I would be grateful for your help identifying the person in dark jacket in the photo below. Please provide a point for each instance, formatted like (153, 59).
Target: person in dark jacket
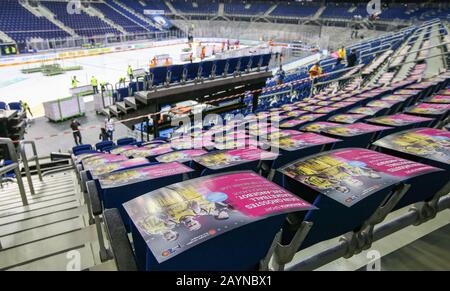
(352, 59)
(104, 136)
(75, 126)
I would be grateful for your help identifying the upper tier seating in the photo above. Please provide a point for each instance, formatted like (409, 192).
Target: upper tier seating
(18, 23)
(83, 24)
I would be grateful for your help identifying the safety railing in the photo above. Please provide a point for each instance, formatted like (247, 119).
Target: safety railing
(25, 161)
(15, 166)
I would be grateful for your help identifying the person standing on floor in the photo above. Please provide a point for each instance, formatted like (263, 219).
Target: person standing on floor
(94, 84)
(74, 82)
(109, 126)
(103, 135)
(75, 126)
(352, 59)
(130, 73)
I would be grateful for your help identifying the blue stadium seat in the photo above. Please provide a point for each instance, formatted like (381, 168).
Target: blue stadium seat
(192, 71)
(176, 73)
(77, 150)
(125, 141)
(234, 65)
(158, 76)
(207, 68)
(221, 65)
(15, 106)
(102, 146)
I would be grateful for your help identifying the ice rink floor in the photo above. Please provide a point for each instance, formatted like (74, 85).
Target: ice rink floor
(36, 88)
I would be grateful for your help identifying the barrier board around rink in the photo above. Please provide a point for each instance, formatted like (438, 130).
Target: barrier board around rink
(78, 53)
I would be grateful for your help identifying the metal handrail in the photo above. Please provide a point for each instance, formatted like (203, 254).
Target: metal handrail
(25, 160)
(14, 166)
(423, 59)
(422, 49)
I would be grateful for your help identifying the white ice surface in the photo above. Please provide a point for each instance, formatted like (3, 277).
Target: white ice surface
(36, 88)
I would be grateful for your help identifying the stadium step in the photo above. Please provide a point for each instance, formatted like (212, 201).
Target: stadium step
(123, 107)
(51, 231)
(131, 102)
(114, 110)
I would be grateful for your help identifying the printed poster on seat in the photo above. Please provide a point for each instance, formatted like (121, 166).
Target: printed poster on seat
(136, 175)
(348, 130)
(429, 143)
(90, 162)
(174, 219)
(445, 99)
(430, 108)
(350, 175)
(302, 141)
(114, 166)
(180, 156)
(399, 119)
(227, 158)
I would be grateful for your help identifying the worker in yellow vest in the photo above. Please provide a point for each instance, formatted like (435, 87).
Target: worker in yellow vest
(74, 82)
(13, 50)
(315, 71)
(130, 73)
(341, 55)
(153, 62)
(94, 84)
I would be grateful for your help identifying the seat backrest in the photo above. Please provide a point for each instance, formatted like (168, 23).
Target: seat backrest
(15, 106)
(245, 62)
(192, 71)
(104, 144)
(84, 147)
(159, 75)
(233, 65)
(255, 61)
(266, 60)
(176, 72)
(220, 67)
(3, 105)
(125, 141)
(207, 68)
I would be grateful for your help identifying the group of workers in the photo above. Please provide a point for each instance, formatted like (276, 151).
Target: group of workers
(95, 83)
(352, 59)
(106, 132)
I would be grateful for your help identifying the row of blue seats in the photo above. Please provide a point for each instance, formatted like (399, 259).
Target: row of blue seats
(349, 218)
(159, 76)
(11, 106)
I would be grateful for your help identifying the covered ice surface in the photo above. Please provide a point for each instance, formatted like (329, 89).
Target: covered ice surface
(36, 88)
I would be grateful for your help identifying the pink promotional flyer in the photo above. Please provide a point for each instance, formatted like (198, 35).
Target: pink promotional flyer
(429, 143)
(136, 175)
(180, 156)
(439, 99)
(366, 110)
(318, 126)
(382, 103)
(398, 119)
(350, 175)
(301, 141)
(120, 150)
(174, 219)
(144, 152)
(228, 158)
(400, 98)
(93, 161)
(430, 108)
(355, 129)
(114, 166)
(347, 118)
